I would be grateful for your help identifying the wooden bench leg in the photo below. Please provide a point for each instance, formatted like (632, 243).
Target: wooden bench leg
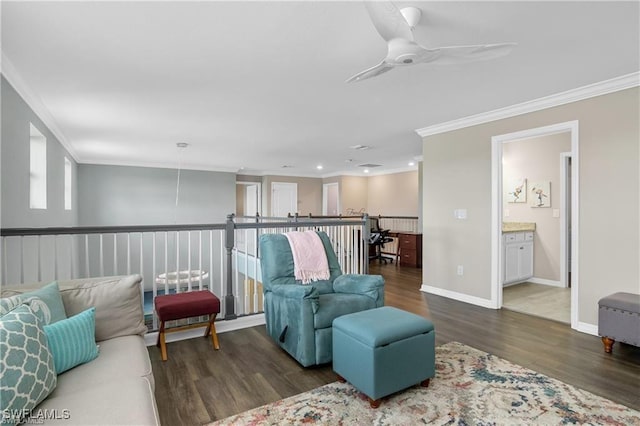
(608, 344)
(211, 328)
(374, 403)
(161, 341)
(341, 379)
(425, 383)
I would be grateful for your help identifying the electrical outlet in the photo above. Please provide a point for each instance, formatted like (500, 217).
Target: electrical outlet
(506, 212)
(460, 270)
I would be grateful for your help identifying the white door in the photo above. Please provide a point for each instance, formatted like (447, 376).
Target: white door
(284, 199)
(330, 199)
(251, 200)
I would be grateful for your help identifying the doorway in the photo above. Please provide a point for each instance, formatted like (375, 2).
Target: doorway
(284, 199)
(330, 199)
(248, 198)
(565, 212)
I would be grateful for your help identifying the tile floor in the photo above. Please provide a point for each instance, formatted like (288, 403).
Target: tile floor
(540, 300)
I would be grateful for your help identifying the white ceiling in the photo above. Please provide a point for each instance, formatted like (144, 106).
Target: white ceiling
(261, 85)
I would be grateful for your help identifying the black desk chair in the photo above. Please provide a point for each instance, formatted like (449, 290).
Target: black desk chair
(377, 240)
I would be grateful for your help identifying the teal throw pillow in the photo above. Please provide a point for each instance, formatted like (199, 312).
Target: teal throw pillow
(27, 374)
(73, 341)
(45, 302)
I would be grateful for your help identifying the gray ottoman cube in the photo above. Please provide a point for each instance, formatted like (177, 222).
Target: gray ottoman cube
(619, 319)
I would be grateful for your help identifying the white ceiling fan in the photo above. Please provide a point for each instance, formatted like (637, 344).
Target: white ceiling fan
(396, 28)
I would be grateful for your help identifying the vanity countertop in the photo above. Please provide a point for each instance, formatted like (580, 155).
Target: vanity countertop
(518, 227)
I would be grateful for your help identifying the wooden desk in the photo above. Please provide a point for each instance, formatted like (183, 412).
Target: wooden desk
(410, 248)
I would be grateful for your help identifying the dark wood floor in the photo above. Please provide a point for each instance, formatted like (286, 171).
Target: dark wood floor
(197, 385)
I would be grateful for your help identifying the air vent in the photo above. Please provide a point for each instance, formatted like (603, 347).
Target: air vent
(369, 166)
(360, 147)
(287, 166)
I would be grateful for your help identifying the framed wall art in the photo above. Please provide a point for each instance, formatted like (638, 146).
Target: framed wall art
(540, 194)
(516, 190)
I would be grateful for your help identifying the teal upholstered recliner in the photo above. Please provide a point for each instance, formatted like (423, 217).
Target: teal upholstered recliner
(299, 316)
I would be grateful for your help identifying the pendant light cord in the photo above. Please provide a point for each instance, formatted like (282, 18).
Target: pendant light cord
(175, 210)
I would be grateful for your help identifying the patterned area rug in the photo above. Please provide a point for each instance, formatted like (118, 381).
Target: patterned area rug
(471, 387)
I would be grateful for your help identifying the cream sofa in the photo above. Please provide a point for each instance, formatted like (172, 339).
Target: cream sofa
(117, 388)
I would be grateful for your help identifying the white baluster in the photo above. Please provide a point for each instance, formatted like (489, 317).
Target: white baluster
(86, 256)
(115, 254)
(188, 262)
(101, 254)
(200, 260)
(153, 277)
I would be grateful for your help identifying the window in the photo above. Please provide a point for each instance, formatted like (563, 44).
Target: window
(38, 169)
(67, 184)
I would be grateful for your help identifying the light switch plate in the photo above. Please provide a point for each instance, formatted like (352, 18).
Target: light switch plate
(505, 212)
(460, 213)
(556, 212)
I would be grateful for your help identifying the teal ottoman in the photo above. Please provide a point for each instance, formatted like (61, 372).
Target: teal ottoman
(384, 350)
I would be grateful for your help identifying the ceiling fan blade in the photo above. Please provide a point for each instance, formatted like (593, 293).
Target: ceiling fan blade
(381, 68)
(388, 20)
(451, 55)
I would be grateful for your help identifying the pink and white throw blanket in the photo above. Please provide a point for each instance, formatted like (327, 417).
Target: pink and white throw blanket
(309, 258)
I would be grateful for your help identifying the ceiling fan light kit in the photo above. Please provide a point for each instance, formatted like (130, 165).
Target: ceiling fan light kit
(396, 26)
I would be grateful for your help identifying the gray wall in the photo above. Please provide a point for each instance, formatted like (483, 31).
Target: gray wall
(120, 195)
(457, 174)
(16, 116)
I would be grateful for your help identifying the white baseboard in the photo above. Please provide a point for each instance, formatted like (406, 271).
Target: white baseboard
(221, 327)
(545, 281)
(461, 297)
(587, 328)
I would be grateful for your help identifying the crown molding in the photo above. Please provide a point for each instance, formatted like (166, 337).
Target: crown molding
(35, 103)
(592, 90)
(327, 175)
(376, 173)
(278, 172)
(158, 165)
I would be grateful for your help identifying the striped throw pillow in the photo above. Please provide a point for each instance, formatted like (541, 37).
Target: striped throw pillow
(73, 341)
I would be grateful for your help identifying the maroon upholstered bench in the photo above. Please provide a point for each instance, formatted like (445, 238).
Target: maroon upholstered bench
(186, 305)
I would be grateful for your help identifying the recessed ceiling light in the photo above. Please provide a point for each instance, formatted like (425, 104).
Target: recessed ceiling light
(411, 163)
(319, 167)
(182, 144)
(287, 166)
(366, 170)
